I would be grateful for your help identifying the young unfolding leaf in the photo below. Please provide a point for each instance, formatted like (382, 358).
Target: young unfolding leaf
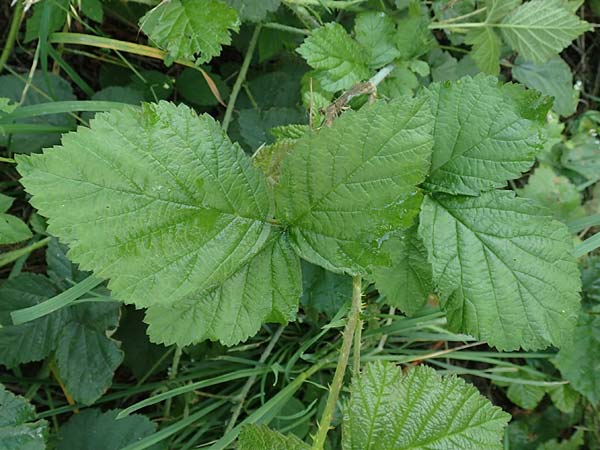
(18, 431)
(340, 60)
(177, 209)
(389, 410)
(406, 283)
(503, 268)
(540, 29)
(189, 29)
(261, 437)
(268, 288)
(343, 188)
(483, 135)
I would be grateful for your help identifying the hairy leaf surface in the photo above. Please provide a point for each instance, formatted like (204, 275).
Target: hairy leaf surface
(503, 269)
(176, 209)
(343, 188)
(540, 29)
(255, 437)
(389, 410)
(483, 136)
(189, 29)
(266, 289)
(340, 60)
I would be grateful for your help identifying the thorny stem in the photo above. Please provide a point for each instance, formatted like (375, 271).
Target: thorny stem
(340, 370)
(12, 34)
(240, 78)
(251, 380)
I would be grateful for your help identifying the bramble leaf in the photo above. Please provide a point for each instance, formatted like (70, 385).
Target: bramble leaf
(268, 288)
(552, 78)
(486, 49)
(340, 60)
(406, 283)
(540, 29)
(483, 135)
(375, 31)
(254, 437)
(343, 188)
(503, 269)
(177, 209)
(578, 360)
(93, 429)
(18, 431)
(189, 29)
(389, 410)
(13, 229)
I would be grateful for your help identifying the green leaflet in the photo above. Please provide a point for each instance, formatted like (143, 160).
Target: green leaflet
(579, 361)
(266, 289)
(486, 49)
(389, 410)
(375, 32)
(191, 30)
(261, 437)
(177, 194)
(483, 134)
(343, 188)
(254, 10)
(407, 283)
(18, 431)
(540, 29)
(503, 269)
(341, 62)
(12, 229)
(324, 291)
(93, 429)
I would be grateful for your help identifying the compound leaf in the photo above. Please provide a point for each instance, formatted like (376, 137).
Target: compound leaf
(420, 410)
(503, 268)
(340, 60)
(343, 188)
(18, 431)
(177, 209)
(189, 29)
(540, 29)
(93, 429)
(483, 135)
(406, 283)
(266, 289)
(254, 437)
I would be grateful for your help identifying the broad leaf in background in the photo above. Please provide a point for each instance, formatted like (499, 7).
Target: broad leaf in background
(483, 134)
(93, 429)
(254, 10)
(31, 341)
(85, 354)
(345, 187)
(540, 29)
(324, 291)
(406, 283)
(57, 11)
(187, 229)
(191, 30)
(12, 229)
(18, 428)
(413, 38)
(503, 269)
(390, 410)
(573, 443)
(268, 288)
(579, 359)
(375, 32)
(340, 61)
(553, 78)
(193, 87)
(43, 89)
(555, 192)
(255, 437)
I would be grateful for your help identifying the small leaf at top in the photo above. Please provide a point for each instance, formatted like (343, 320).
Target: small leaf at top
(342, 189)
(390, 410)
(190, 29)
